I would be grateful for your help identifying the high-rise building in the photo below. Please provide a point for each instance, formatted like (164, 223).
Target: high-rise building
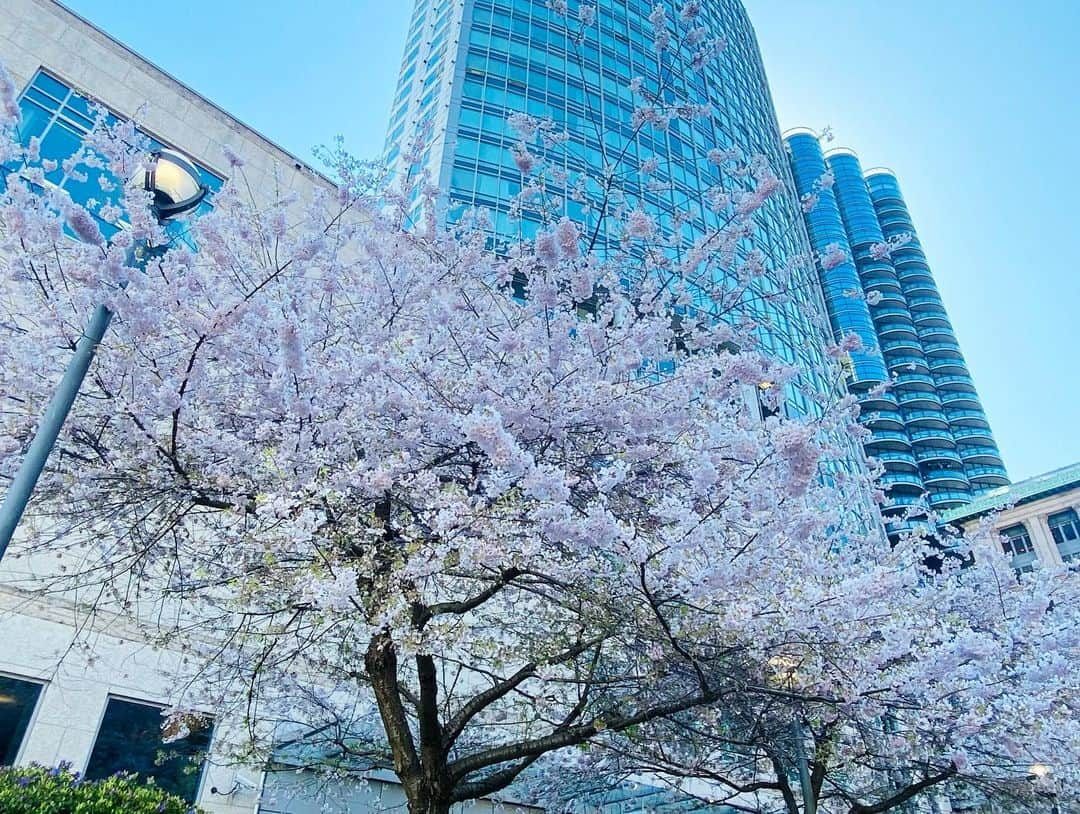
(928, 428)
(469, 65)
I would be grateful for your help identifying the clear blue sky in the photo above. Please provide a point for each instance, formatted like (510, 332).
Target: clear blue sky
(974, 103)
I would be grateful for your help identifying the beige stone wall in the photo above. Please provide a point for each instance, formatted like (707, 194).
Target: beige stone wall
(1034, 516)
(43, 34)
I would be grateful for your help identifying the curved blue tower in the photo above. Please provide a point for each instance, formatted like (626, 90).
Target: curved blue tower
(848, 312)
(972, 463)
(469, 64)
(928, 428)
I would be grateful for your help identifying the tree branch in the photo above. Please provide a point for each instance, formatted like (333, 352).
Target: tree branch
(571, 736)
(903, 796)
(456, 725)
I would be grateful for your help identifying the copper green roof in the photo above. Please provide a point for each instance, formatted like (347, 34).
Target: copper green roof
(1025, 491)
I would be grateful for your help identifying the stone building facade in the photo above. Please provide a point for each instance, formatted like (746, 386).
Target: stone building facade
(1038, 519)
(76, 685)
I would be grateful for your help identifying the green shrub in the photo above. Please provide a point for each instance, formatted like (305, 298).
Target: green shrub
(39, 790)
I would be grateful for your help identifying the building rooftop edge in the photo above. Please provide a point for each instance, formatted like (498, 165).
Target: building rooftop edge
(1025, 491)
(878, 171)
(799, 131)
(841, 151)
(288, 154)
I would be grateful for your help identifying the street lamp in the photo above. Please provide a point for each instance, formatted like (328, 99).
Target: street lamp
(1041, 774)
(174, 182)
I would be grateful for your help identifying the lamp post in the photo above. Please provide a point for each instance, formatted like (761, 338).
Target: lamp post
(786, 669)
(174, 182)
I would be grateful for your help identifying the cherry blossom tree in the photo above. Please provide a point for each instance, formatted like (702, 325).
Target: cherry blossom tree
(501, 514)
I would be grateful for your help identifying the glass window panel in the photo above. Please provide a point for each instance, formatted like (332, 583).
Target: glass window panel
(34, 120)
(130, 740)
(51, 86)
(17, 701)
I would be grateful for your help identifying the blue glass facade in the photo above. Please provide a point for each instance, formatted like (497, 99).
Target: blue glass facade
(928, 428)
(468, 66)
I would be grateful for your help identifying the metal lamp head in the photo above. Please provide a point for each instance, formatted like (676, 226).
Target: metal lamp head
(174, 181)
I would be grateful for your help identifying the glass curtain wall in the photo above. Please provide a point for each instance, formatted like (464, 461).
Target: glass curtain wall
(467, 68)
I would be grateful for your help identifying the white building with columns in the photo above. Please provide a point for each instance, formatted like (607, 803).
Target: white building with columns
(1038, 518)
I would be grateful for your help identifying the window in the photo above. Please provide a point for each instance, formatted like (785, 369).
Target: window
(1016, 542)
(18, 698)
(1065, 529)
(60, 117)
(131, 740)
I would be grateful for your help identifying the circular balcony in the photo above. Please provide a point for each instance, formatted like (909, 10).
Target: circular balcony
(948, 365)
(938, 349)
(932, 437)
(910, 271)
(940, 455)
(960, 399)
(925, 303)
(898, 461)
(910, 252)
(884, 312)
(967, 418)
(973, 435)
(889, 295)
(922, 419)
(919, 287)
(871, 402)
(902, 345)
(902, 482)
(894, 329)
(937, 333)
(958, 381)
(980, 455)
(900, 502)
(879, 277)
(987, 475)
(945, 478)
(919, 399)
(888, 439)
(949, 499)
(900, 362)
(883, 420)
(910, 380)
(931, 317)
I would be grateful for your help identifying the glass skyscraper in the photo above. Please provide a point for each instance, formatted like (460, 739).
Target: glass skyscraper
(928, 428)
(469, 65)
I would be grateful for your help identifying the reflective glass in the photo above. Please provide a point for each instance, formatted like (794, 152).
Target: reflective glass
(130, 740)
(517, 56)
(17, 701)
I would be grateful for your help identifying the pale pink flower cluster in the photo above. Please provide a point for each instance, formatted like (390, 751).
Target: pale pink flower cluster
(231, 156)
(523, 159)
(884, 251)
(833, 256)
(640, 224)
(9, 100)
(524, 125)
(82, 223)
